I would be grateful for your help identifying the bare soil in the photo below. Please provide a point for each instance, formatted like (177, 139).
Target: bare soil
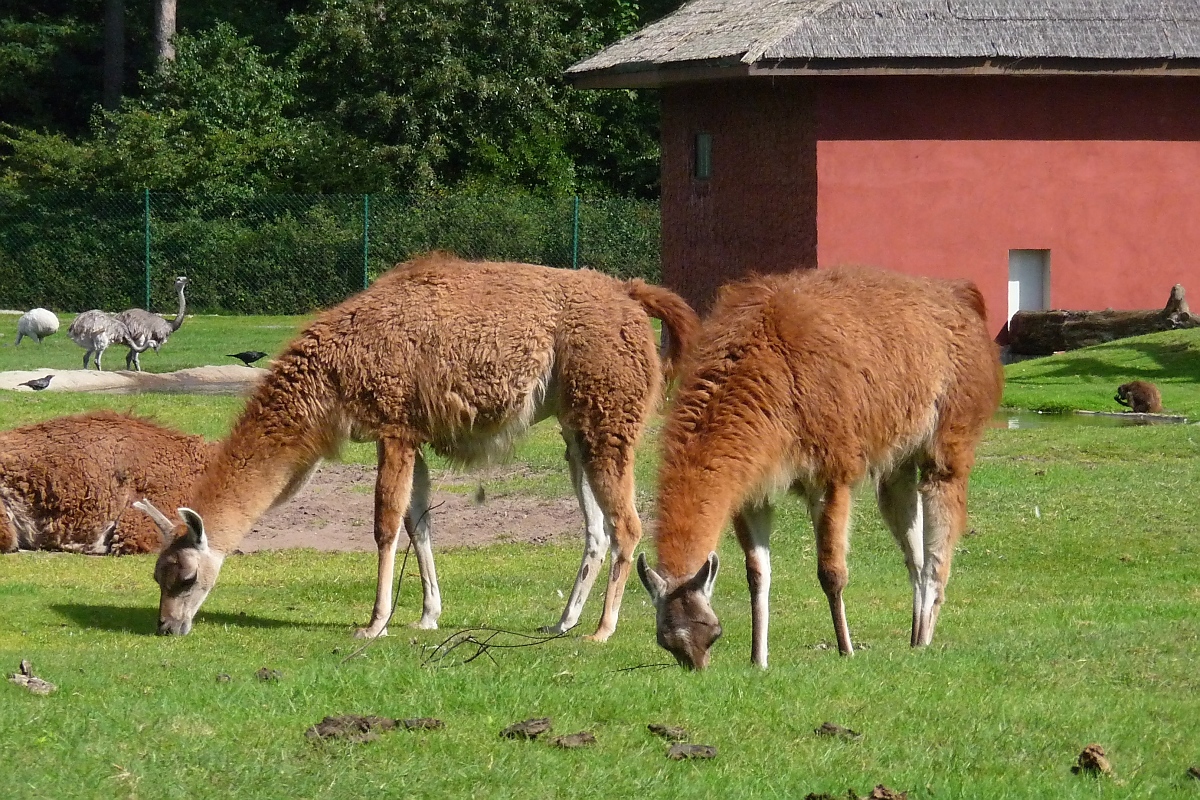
(336, 510)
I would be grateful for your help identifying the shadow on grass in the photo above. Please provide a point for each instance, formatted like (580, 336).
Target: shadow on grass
(1175, 361)
(125, 619)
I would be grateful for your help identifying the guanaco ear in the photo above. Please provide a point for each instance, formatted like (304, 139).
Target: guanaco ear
(195, 528)
(654, 583)
(706, 577)
(164, 525)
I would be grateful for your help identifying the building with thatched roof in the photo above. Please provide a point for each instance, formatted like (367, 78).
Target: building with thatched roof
(1048, 149)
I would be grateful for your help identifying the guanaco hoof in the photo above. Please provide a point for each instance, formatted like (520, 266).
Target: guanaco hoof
(1092, 761)
(529, 729)
(422, 724)
(680, 752)
(351, 728)
(26, 678)
(830, 729)
(574, 740)
(668, 732)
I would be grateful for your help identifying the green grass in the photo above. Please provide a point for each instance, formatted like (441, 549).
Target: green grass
(1073, 617)
(1088, 378)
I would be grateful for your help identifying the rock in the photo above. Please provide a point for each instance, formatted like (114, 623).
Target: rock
(529, 729)
(422, 724)
(882, 792)
(27, 679)
(574, 740)
(1092, 761)
(680, 752)
(269, 675)
(351, 728)
(668, 732)
(830, 729)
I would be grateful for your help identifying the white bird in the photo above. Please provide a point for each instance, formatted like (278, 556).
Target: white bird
(37, 324)
(94, 331)
(150, 330)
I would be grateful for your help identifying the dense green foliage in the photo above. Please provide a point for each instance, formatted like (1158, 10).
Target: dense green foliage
(288, 254)
(326, 96)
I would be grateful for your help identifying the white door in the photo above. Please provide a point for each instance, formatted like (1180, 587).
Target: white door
(1028, 281)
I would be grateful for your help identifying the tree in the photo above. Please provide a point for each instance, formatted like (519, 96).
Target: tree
(164, 32)
(114, 52)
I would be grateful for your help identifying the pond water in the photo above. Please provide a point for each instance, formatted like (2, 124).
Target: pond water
(1014, 419)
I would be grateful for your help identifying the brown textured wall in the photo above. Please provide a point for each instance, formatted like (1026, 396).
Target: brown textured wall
(758, 211)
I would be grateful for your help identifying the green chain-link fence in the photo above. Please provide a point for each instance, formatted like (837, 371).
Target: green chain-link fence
(289, 254)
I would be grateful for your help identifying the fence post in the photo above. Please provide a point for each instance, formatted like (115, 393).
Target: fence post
(146, 215)
(575, 235)
(366, 237)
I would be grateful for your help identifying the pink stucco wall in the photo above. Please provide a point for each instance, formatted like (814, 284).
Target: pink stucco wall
(945, 176)
(940, 176)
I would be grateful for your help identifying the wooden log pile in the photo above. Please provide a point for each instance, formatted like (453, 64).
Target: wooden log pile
(1041, 333)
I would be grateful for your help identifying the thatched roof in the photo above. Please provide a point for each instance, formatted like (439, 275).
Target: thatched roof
(723, 38)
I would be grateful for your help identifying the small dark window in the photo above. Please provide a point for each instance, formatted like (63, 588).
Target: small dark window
(703, 156)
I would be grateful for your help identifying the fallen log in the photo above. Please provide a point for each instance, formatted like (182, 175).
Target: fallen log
(1041, 333)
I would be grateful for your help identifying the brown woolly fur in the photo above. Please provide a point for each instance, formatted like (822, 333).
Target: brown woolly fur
(67, 484)
(814, 381)
(462, 357)
(1141, 397)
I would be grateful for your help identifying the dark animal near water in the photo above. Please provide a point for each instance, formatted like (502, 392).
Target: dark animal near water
(67, 484)
(463, 357)
(813, 382)
(1141, 397)
(37, 384)
(248, 357)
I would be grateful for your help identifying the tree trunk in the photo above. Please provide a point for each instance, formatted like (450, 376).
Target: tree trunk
(164, 32)
(1041, 333)
(114, 52)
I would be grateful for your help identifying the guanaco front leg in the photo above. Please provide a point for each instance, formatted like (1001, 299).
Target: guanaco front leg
(393, 486)
(753, 527)
(831, 520)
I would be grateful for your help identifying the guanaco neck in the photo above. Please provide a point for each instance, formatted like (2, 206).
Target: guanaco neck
(288, 425)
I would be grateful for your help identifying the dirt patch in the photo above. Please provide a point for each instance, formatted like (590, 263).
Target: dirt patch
(335, 511)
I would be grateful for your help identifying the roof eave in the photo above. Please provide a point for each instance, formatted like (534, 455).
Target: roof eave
(655, 76)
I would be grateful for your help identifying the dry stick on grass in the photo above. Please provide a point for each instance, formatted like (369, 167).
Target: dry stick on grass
(661, 665)
(466, 636)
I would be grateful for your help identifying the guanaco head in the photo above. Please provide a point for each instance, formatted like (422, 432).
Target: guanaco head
(186, 570)
(685, 622)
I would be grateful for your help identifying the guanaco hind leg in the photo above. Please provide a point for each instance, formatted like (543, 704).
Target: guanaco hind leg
(420, 527)
(944, 499)
(612, 481)
(753, 527)
(393, 487)
(597, 534)
(900, 506)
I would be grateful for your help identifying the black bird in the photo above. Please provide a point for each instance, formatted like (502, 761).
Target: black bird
(38, 384)
(248, 357)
